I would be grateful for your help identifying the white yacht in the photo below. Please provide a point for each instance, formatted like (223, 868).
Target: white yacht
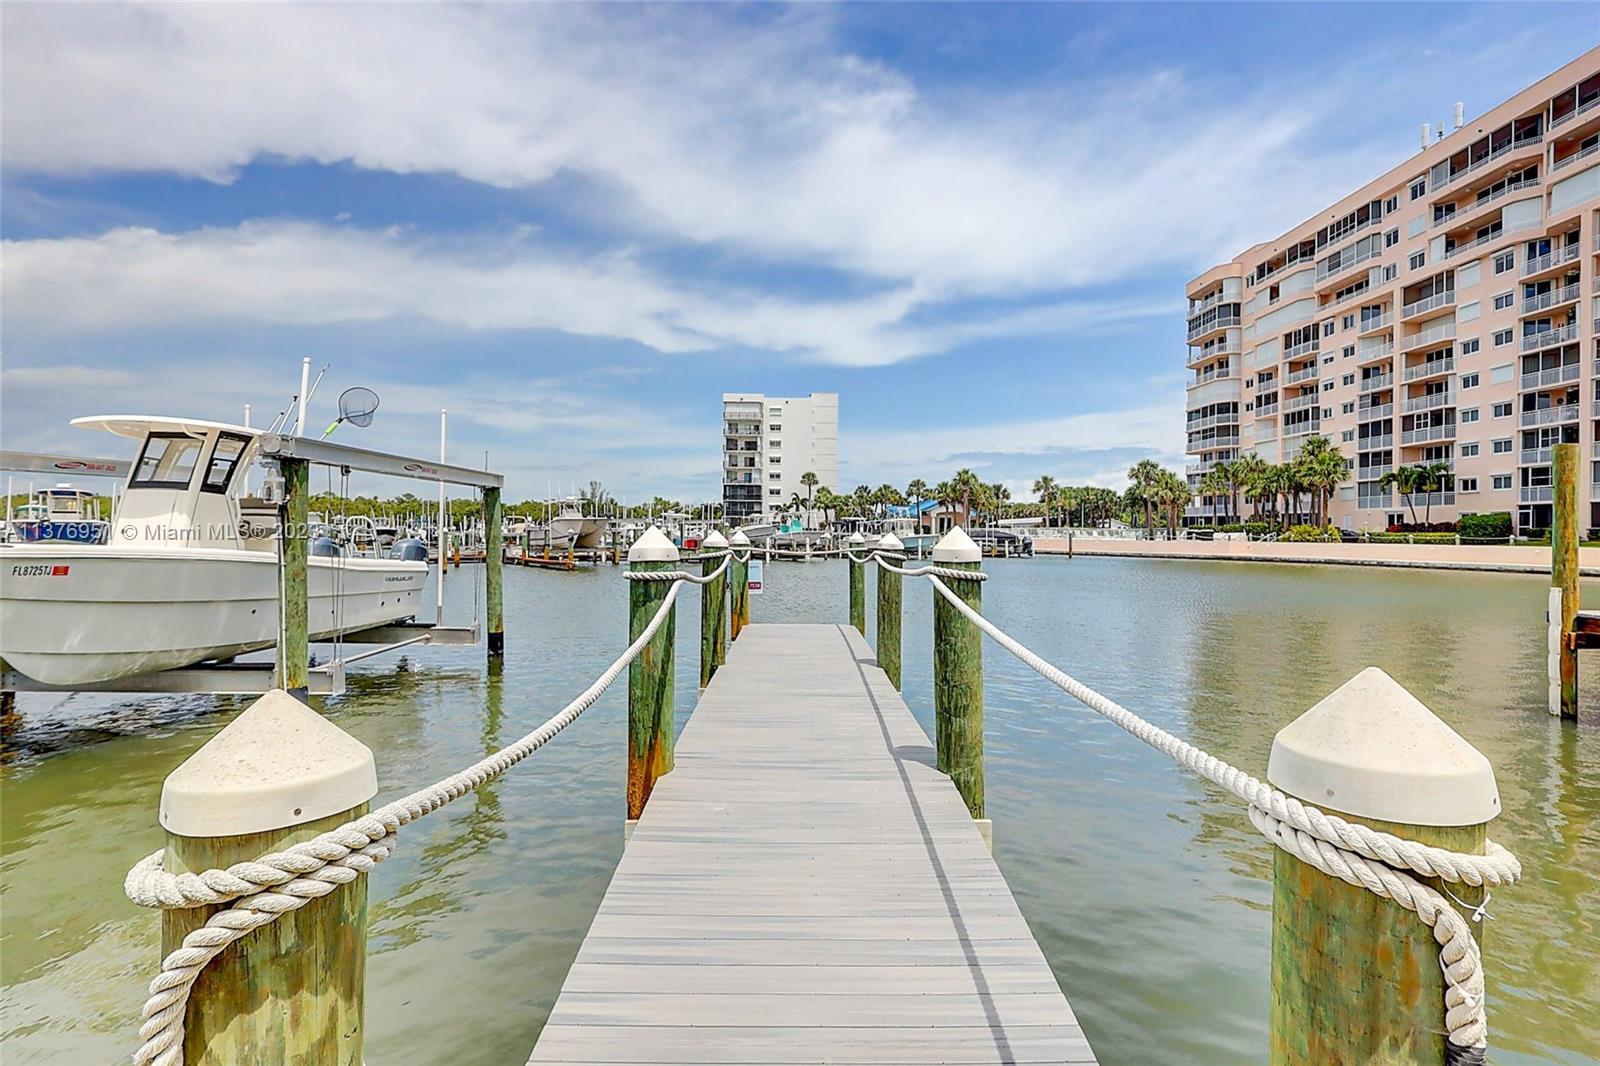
(571, 529)
(189, 573)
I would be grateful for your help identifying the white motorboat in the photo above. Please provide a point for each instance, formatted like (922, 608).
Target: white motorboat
(190, 573)
(570, 528)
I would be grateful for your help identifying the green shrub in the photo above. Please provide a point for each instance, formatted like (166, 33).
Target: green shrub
(1254, 529)
(1495, 525)
(1311, 534)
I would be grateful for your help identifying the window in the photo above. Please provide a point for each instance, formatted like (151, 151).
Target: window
(1419, 188)
(774, 410)
(1349, 350)
(1502, 301)
(1502, 338)
(1327, 386)
(1503, 410)
(1469, 414)
(1249, 383)
(1391, 238)
(1499, 375)
(1470, 346)
(1469, 381)
(1347, 436)
(1327, 359)
(1469, 449)
(1505, 261)
(1327, 328)
(1502, 446)
(1390, 271)
(1502, 481)
(774, 460)
(1391, 205)
(775, 427)
(224, 458)
(167, 462)
(774, 492)
(1417, 261)
(1348, 379)
(1349, 322)
(1327, 412)
(774, 477)
(1466, 484)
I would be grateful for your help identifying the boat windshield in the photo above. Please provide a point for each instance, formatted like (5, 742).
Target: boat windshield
(167, 462)
(224, 458)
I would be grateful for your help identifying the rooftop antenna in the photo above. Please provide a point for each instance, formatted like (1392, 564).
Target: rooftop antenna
(1461, 113)
(1427, 134)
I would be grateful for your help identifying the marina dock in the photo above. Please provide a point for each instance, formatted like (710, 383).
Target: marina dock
(805, 886)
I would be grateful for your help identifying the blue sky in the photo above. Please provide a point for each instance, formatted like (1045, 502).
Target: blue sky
(575, 227)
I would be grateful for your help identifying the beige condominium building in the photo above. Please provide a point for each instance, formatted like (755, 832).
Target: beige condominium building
(1447, 312)
(769, 443)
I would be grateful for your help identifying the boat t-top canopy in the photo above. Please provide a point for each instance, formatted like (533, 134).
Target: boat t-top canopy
(136, 426)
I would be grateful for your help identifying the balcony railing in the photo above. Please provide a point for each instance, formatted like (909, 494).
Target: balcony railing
(1465, 210)
(1554, 298)
(1298, 403)
(1429, 402)
(1429, 303)
(1374, 473)
(1560, 164)
(1212, 351)
(1490, 238)
(1303, 348)
(1429, 369)
(1570, 115)
(1376, 322)
(1211, 443)
(1375, 355)
(1445, 331)
(1301, 429)
(1375, 414)
(1263, 410)
(1557, 257)
(1556, 375)
(1536, 494)
(1499, 153)
(1376, 382)
(1303, 374)
(1549, 338)
(1558, 414)
(1424, 434)
(1213, 324)
(1379, 443)
(1539, 456)
(1212, 375)
(1382, 499)
(1207, 421)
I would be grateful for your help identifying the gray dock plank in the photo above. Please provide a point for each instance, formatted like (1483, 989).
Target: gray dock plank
(806, 887)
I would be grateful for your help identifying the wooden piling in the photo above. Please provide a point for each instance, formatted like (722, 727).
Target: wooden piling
(494, 574)
(1355, 977)
(292, 992)
(739, 606)
(893, 551)
(958, 673)
(713, 608)
(294, 648)
(650, 675)
(858, 582)
(1564, 590)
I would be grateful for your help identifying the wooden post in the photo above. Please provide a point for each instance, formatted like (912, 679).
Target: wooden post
(294, 650)
(740, 606)
(958, 673)
(1356, 978)
(294, 991)
(893, 551)
(1563, 610)
(650, 675)
(713, 609)
(494, 573)
(858, 582)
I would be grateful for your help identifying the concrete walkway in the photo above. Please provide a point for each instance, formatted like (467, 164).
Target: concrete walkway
(805, 887)
(1505, 558)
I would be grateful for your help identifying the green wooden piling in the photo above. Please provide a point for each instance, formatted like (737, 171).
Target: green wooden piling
(650, 675)
(858, 583)
(958, 673)
(891, 551)
(294, 649)
(494, 573)
(293, 991)
(1564, 575)
(713, 609)
(1355, 977)
(739, 607)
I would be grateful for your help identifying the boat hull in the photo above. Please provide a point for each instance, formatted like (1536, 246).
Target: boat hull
(77, 615)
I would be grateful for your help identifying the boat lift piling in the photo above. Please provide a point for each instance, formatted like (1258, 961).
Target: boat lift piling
(1569, 628)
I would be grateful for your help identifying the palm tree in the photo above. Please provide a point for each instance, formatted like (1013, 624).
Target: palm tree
(1145, 475)
(1215, 482)
(1247, 473)
(1408, 479)
(917, 491)
(809, 480)
(1047, 490)
(1279, 480)
(1321, 468)
(1172, 493)
(966, 487)
(1433, 477)
(999, 496)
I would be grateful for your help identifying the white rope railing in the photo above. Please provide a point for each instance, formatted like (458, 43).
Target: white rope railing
(1379, 862)
(276, 884)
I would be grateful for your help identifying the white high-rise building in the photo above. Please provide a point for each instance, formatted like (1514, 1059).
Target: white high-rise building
(769, 442)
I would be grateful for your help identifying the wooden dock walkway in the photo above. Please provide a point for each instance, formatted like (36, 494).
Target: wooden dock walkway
(806, 887)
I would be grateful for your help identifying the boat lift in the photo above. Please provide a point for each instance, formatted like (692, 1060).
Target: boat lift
(293, 457)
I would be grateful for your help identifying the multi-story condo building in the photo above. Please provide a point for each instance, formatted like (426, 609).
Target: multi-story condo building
(769, 443)
(1446, 312)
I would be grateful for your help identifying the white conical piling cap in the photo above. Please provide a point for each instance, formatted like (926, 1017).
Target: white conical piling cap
(856, 539)
(890, 543)
(653, 547)
(956, 547)
(715, 540)
(1372, 749)
(279, 764)
(739, 540)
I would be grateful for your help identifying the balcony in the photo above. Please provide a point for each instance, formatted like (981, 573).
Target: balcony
(1556, 375)
(1229, 346)
(743, 429)
(1303, 374)
(1552, 259)
(1300, 403)
(1465, 211)
(1549, 338)
(1429, 369)
(1424, 434)
(1347, 264)
(1215, 374)
(1301, 429)
(1433, 499)
(1265, 410)
(1443, 332)
(1375, 323)
(1303, 348)
(1562, 164)
(1375, 413)
(1374, 473)
(1488, 239)
(1428, 303)
(1382, 442)
(1570, 115)
(1543, 301)
(1382, 499)
(1499, 153)
(1212, 324)
(1375, 355)
(1206, 422)
(1536, 494)
(1376, 382)
(1538, 456)
(1555, 415)
(1213, 443)
(1431, 401)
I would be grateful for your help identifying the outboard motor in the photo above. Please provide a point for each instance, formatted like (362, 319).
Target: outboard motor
(326, 546)
(410, 549)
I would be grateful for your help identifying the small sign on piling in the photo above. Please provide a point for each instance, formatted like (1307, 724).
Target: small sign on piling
(755, 577)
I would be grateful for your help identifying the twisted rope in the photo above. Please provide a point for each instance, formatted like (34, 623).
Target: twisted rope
(1356, 854)
(931, 571)
(682, 575)
(276, 884)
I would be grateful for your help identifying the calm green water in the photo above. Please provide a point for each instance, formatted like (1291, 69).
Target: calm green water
(1148, 891)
